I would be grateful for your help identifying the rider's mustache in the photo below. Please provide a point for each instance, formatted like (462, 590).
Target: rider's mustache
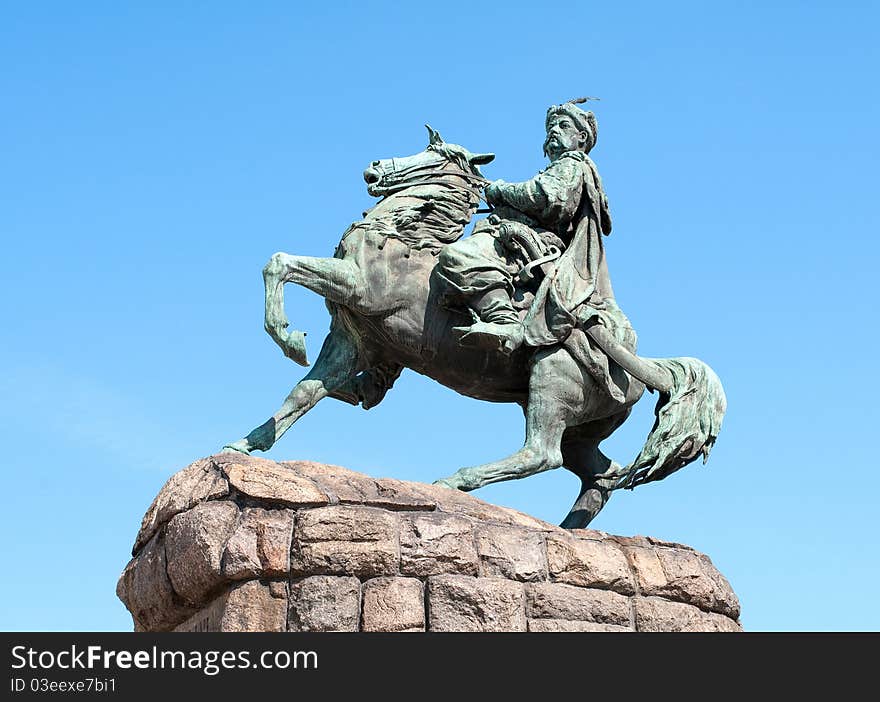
(551, 139)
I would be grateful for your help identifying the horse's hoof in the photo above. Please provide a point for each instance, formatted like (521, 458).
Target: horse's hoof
(233, 448)
(446, 484)
(295, 348)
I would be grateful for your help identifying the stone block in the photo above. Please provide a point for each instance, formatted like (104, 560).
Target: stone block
(345, 540)
(260, 545)
(248, 606)
(657, 614)
(682, 574)
(393, 604)
(146, 591)
(198, 482)
(347, 487)
(567, 602)
(588, 562)
(511, 552)
(194, 545)
(462, 603)
(274, 483)
(553, 625)
(241, 560)
(324, 603)
(437, 543)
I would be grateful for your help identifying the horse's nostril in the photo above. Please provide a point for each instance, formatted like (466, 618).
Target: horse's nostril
(370, 176)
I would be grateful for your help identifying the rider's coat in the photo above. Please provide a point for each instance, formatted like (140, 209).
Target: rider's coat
(564, 205)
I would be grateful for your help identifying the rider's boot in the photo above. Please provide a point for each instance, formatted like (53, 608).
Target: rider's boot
(497, 326)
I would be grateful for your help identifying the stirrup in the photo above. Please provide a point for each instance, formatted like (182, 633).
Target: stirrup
(492, 335)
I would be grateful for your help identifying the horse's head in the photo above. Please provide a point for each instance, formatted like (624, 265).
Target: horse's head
(438, 160)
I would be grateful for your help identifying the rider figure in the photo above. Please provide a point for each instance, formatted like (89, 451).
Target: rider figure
(540, 217)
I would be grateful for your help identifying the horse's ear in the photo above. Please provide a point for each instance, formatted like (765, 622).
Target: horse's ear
(435, 138)
(481, 159)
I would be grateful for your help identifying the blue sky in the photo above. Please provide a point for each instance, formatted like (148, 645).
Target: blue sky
(153, 156)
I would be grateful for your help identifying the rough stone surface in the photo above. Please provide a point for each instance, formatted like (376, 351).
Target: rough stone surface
(589, 562)
(393, 604)
(248, 606)
(511, 552)
(457, 502)
(433, 544)
(345, 540)
(194, 547)
(537, 625)
(241, 559)
(324, 603)
(347, 487)
(260, 545)
(560, 601)
(237, 543)
(462, 603)
(147, 592)
(682, 574)
(196, 483)
(274, 482)
(657, 614)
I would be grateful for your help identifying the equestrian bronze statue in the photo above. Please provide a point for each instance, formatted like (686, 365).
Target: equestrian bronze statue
(522, 311)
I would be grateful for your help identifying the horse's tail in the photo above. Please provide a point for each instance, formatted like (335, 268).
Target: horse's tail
(689, 412)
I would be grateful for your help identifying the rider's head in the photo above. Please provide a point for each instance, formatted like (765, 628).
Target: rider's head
(569, 128)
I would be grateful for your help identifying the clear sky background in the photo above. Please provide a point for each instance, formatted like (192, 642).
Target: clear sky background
(154, 155)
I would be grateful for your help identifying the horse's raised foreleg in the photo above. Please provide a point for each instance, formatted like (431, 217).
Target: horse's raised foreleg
(337, 363)
(550, 408)
(334, 279)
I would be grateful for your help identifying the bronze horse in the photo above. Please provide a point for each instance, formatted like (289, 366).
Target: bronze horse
(386, 315)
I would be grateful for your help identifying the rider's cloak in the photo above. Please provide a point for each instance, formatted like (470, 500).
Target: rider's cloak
(577, 289)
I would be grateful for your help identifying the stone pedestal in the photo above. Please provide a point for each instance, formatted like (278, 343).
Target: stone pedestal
(238, 543)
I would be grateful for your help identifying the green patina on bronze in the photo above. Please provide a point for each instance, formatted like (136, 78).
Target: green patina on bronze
(520, 311)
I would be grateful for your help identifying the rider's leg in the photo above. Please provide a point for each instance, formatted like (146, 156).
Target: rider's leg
(337, 363)
(478, 272)
(495, 306)
(498, 325)
(471, 266)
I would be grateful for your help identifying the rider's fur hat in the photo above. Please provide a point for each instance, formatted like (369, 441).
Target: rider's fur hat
(584, 121)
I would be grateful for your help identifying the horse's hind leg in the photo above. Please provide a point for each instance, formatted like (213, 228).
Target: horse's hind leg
(337, 363)
(540, 452)
(581, 455)
(550, 408)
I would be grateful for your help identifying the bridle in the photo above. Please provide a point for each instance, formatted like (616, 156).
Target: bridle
(397, 181)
